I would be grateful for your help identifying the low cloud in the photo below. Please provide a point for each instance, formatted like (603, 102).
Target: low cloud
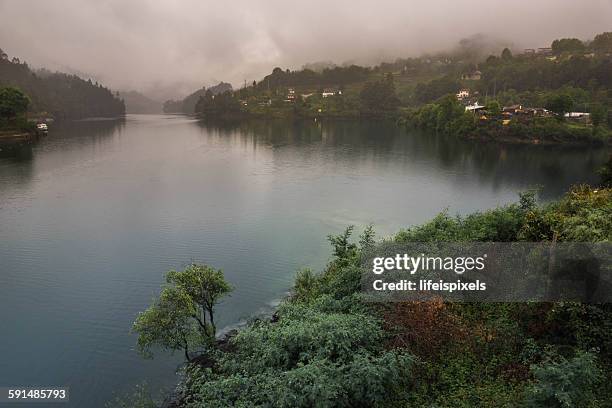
(169, 47)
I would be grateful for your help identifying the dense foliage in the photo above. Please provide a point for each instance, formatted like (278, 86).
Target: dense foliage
(326, 347)
(182, 318)
(61, 95)
(448, 116)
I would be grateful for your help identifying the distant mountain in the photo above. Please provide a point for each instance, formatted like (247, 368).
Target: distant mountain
(188, 104)
(135, 102)
(61, 95)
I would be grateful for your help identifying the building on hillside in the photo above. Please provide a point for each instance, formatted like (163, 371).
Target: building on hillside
(578, 116)
(330, 92)
(290, 95)
(529, 51)
(463, 94)
(475, 108)
(512, 109)
(547, 51)
(472, 76)
(306, 96)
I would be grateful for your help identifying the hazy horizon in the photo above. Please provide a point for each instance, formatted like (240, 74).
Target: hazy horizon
(168, 49)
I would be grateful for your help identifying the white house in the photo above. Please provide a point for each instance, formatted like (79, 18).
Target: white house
(464, 93)
(330, 92)
(577, 115)
(475, 107)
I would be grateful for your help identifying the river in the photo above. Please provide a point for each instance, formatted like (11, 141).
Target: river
(93, 215)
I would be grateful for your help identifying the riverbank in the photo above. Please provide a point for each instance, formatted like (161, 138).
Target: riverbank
(14, 139)
(448, 116)
(327, 346)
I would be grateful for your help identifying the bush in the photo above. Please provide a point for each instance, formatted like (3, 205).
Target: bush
(561, 382)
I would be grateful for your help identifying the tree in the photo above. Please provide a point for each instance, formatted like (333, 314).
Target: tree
(561, 382)
(182, 318)
(570, 45)
(205, 286)
(560, 104)
(599, 114)
(602, 42)
(506, 54)
(494, 108)
(343, 248)
(379, 96)
(168, 323)
(13, 102)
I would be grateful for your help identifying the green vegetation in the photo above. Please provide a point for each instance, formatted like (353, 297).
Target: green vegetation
(327, 347)
(182, 318)
(13, 107)
(59, 95)
(13, 103)
(448, 116)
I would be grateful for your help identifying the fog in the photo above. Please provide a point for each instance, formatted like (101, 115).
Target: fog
(169, 48)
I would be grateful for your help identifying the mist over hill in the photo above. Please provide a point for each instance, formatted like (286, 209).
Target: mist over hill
(136, 102)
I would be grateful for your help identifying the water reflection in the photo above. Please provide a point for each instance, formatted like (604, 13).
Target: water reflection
(550, 168)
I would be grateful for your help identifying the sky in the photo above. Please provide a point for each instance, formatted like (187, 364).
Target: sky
(169, 48)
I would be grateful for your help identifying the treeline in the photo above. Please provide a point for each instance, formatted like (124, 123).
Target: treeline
(335, 76)
(61, 95)
(377, 98)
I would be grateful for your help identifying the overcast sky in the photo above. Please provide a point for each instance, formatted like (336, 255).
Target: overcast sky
(174, 46)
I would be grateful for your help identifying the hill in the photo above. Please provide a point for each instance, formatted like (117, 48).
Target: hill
(61, 95)
(188, 104)
(135, 102)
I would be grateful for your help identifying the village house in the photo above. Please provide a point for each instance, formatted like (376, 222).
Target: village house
(463, 94)
(547, 51)
(512, 110)
(578, 116)
(475, 108)
(330, 92)
(290, 95)
(472, 76)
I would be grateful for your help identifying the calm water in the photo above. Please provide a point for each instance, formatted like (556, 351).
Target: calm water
(94, 215)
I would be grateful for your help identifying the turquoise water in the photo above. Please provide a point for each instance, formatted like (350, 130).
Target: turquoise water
(94, 215)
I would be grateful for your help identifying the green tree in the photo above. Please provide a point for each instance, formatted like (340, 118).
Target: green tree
(602, 42)
(506, 54)
(205, 287)
(494, 108)
(13, 102)
(561, 382)
(182, 318)
(599, 114)
(379, 96)
(169, 324)
(560, 104)
(570, 45)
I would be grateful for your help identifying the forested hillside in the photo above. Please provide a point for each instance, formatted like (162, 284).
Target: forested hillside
(188, 104)
(60, 95)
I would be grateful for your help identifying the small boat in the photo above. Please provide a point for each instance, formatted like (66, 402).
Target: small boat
(42, 127)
